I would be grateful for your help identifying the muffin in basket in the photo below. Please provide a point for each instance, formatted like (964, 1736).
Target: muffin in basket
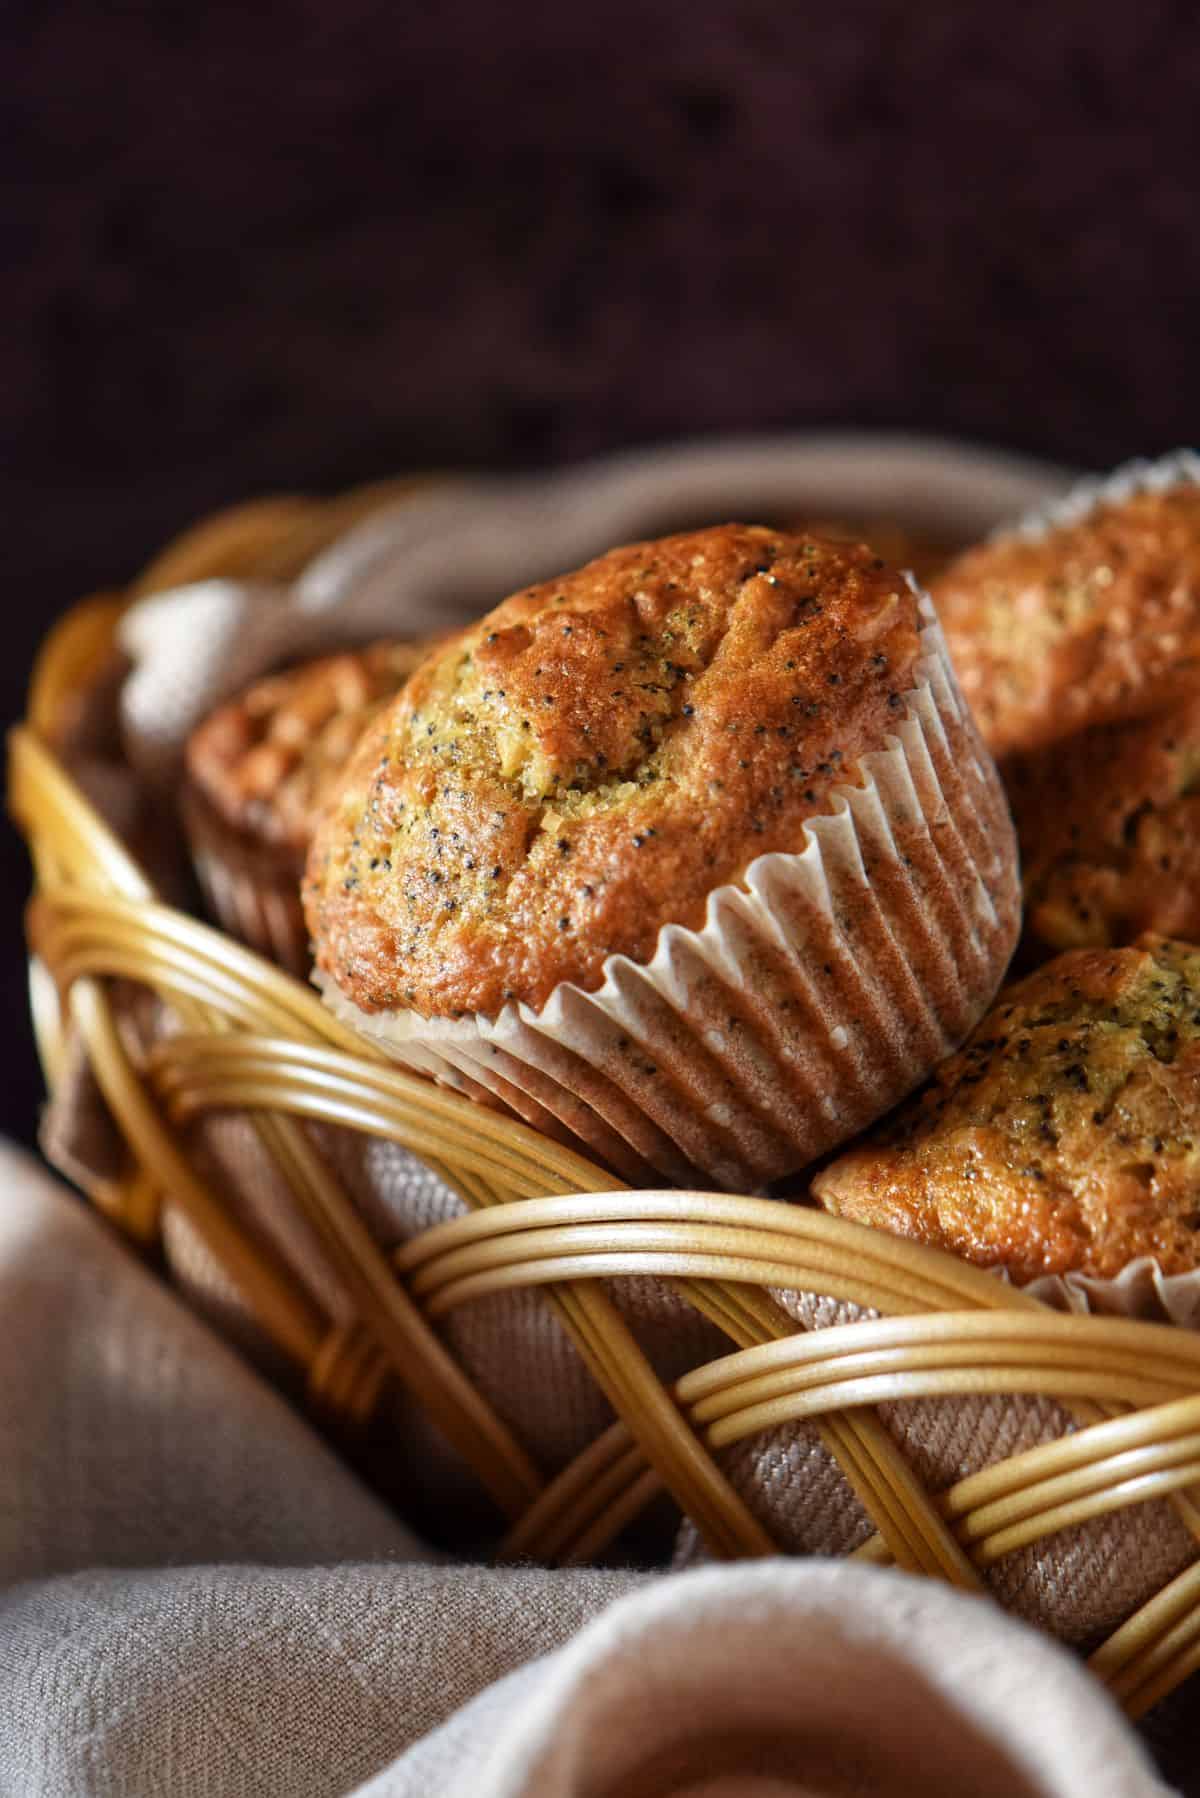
(257, 771)
(1064, 1137)
(1077, 638)
(1082, 616)
(693, 854)
(1109, 827)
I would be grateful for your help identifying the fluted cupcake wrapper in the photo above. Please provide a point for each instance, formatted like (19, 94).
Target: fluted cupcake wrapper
(253, 893)
(1180, 468)
(1140, 1290)
(813, 998)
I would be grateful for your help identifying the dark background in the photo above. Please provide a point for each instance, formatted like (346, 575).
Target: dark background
(296, 246)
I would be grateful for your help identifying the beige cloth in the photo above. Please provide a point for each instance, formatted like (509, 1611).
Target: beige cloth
(196, 1598)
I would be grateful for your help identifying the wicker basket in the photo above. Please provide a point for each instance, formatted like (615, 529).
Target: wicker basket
(252, 1040)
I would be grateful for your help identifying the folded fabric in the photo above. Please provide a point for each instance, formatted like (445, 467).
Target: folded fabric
(798, 1678)
(200, 1599)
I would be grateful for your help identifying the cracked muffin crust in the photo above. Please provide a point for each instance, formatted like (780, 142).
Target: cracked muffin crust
(1094, 621)
(257, 772)
(597, 755)
(1063, 1137)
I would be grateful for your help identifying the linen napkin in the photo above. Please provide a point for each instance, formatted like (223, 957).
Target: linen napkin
(196, 1597)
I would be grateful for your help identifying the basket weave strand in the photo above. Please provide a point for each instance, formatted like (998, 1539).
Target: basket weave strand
(249, 1039)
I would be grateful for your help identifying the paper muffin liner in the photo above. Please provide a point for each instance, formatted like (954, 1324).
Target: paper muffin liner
(1140, 1290)
(813, 998)
(252, 890)
(1179, 468)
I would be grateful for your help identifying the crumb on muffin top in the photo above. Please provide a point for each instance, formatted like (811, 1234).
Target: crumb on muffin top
(1097, 620)
(262, 760)
(589, 761)
(1065, 1134)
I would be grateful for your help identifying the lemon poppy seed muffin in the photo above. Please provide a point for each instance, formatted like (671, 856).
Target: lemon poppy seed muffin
(588, 764)
(1061, 626)
(1109, 828)
(1064, 1136)
(256, 773)
(539, 875)
(1077, 638)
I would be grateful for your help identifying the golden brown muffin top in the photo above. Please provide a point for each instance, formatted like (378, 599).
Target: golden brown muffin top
(588, 762)
(1109, 827)
(1064, 1136)
(263, 759)
(1097, 620)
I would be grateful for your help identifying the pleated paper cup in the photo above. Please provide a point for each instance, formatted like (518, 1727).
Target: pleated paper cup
(1140, 1290)
(252, 888)
(249, 859)
(1180, 468)
(813, 998)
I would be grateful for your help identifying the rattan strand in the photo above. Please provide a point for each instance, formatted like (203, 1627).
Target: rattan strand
(347, 1373)
(70, 656)
(541, 1215)
(1157, 1648)
(909, 1522)
(569, 1504)
(1091, 1468)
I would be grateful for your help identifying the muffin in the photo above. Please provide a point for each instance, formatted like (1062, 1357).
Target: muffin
(1087, 617)
(1064, 1137)
(1109, 828)
(1077, 638)
(693, 855)
(256, 772)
